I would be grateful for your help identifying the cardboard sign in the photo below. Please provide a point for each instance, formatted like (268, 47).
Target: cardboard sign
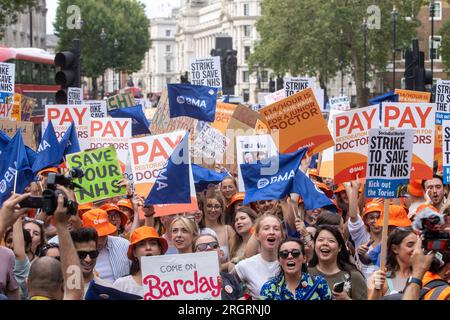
(10, 127)
(206, 72)
(7, 81)
(389, 162)
(246, 115)
(300, 123)
(224, 112)
(119, 101)
(26, 106)
(275, 96)
(412, 96)
(162, 123)
(189, 276)
(340, 103)
(446, 151)
(112, 132)
(74, 95)
(63, 115)
(293, 85)
(421, 118)
(209, 146)
(102, 173)
(148, 156)
(6, 111)
(249, 149)
(97, 108)
(351, 132)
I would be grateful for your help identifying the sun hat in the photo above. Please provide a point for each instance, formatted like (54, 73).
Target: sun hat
(143, 233)
(98, 219)
(398, 217)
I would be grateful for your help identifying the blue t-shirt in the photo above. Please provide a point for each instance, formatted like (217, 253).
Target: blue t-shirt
(375, 255)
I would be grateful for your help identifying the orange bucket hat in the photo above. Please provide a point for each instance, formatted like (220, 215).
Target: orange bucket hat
(112, 207)
(236, 197)
(313, 172)
(398, 217)
(415, 188)
(98, 219)
(82, 208)
(125, 203)
(372, 206)
(143, 233)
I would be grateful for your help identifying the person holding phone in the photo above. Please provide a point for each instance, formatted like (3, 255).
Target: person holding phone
(293, 282)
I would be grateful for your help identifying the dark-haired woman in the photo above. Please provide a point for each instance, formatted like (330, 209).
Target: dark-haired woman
(332, 261)
(144, 241)
(293, 281)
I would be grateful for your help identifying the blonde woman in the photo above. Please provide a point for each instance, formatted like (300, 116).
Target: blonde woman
(182, 232)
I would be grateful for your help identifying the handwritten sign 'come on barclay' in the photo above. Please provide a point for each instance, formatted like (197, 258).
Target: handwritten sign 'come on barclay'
(189, 276)
(206, 72)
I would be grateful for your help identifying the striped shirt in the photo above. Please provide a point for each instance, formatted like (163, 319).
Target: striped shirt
(113, 262)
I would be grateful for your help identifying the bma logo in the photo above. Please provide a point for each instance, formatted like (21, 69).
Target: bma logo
(191, 101)
(264, 182)
(318, 189)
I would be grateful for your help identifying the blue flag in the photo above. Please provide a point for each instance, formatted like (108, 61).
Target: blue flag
(50, 152)
(312, 196)
(4, 141)
(262, 183)
(203, 177)
(96, 291)
(69, 142)
(390, 97)
(193, 101)
(140, 124)
(15, 162)
(173, 184)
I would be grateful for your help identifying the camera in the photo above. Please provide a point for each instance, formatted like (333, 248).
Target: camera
(429, 223)
(49, 199)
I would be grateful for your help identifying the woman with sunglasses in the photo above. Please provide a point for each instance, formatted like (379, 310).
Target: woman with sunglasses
(293, 281)
(144, 242)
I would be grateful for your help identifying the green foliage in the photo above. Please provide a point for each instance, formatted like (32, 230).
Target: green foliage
(9, 11)
(122, 20)
(303, 36)
(445, 44)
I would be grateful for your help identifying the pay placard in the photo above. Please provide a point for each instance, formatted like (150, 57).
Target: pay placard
(421, 118)
(389, 162)
(206, 72)
(351, 132)
(63, 115)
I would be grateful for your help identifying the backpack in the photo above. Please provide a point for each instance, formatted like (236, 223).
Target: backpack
(438, 284)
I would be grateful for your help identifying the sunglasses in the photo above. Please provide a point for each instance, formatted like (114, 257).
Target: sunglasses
(285, 254)
(92, 254)
(204, 246)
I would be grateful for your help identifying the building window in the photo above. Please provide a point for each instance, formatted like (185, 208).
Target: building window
(246, 53)
(437, 10)
(435, 52)
(247, 31)
(246, 95)
(168, 48)
(168, 33)
(168, 66)
(246, 9)
(244, 76)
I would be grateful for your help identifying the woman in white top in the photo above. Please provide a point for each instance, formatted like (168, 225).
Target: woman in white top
(257, 270)
(144, 241)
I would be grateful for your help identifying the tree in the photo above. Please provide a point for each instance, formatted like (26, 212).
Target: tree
(123, 21)
(302, 37)
(9, 11)
(445, 44)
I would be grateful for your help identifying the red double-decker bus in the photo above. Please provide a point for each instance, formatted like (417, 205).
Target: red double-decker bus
(35, 76)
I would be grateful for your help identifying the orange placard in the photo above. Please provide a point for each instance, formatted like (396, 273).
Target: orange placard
(224, 111)
(299, 123)
(412, 96)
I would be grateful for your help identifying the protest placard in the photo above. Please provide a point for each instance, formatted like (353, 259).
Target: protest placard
(300, 123)
(102, 173)
(209, 146)
(111, 131)
(206, 72)
(10, 127)
(189, 276)
(119, 101)
(63, 115)
(246, 115)
(74, 95)
(7, 81)
(275, 96)
(292, 85)
(162, 123)
(249, 149)
(326, 168)
(442, 99)
(412, 96)
(6, 111)
(438, 147)
(340, 103)
(23, 107)
(389, 162)
(97, 108)
(351, 142)
(224, 111)
(421, 118)
(149, 154)
(446, 150)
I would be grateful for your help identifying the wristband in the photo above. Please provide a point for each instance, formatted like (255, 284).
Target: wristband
(414, 280)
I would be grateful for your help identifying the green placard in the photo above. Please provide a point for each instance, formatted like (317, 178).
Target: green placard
(101, 174)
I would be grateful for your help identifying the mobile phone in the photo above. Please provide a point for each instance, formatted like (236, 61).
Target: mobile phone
(339, 287)
(370, 243)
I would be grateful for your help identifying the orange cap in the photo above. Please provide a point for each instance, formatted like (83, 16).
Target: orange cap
(313, 172)
(48, 170)
(112, 207)
(125, 203)
(398, 217)
(339, 188)
(237, 197)
(82, 208)
(143, 233)
(98, 219)
(372, 206)
(324, 188)
(415, 188)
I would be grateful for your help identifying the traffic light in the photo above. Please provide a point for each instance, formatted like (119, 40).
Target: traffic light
(68, 71)
(416, 76)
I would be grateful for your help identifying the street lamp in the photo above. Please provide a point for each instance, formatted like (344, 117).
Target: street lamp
(394, 14)
(116, 45)
(103, 38)
(432, 8)
(341, 60)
